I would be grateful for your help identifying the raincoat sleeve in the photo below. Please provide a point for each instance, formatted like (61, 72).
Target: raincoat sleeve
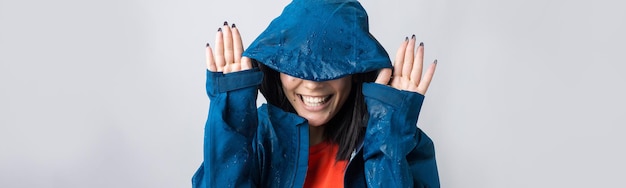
(396, 152)
(229, 130)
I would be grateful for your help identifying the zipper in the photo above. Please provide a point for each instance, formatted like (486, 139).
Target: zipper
(354, 154)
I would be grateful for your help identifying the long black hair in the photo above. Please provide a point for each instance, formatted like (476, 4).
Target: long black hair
(346, 128)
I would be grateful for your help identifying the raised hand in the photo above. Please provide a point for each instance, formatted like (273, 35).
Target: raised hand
(407, 73)
(228, 49)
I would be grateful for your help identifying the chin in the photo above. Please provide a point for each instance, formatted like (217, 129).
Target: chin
(316, 122)
(313, 124)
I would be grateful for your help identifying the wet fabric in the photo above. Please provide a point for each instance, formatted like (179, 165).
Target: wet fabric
(268, 147)
(319, 40)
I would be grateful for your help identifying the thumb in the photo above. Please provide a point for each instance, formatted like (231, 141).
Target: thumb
(384, 76)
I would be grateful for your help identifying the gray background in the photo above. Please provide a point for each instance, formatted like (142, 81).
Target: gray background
(111, 93)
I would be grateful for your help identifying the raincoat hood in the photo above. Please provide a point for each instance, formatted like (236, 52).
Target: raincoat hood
(319, 40)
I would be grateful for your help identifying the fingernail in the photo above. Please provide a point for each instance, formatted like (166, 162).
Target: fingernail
(233, 26)
(435, 61)
(207, 44)
(225, 23)
(219, 29)
(413, 37)
(406, 39)
(421, 43)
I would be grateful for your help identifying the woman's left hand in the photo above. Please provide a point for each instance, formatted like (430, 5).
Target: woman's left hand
(407, 73)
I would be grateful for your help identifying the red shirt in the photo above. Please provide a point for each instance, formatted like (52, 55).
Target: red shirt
(324, 170)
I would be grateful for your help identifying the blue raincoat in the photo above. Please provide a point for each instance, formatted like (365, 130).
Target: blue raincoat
(268, 147)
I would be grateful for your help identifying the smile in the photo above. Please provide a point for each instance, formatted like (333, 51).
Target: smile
(314, 101)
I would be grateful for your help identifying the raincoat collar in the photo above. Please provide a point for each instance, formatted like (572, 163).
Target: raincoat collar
(281, 118)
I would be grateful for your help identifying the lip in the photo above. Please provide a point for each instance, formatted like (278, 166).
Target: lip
(318, 108)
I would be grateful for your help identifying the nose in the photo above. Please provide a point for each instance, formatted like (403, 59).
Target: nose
(312, 84)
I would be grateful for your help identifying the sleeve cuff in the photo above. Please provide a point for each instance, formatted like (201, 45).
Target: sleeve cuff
(391, 96)
(218, 82)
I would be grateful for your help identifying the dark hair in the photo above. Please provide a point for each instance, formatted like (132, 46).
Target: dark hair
(346, 128)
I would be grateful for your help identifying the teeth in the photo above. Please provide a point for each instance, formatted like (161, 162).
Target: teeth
(313, 101)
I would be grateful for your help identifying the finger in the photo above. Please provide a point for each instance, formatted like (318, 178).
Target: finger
(219, 50)
(408, 57)
(246, 63)
(234, 67)
(210, 63)
(423, 86)
(227, 69)
(418, 63)
(228, 44)
(384, 76)
(397, 65)
(237, 44)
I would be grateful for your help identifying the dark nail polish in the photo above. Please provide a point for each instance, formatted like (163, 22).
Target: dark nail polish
(406, 38)
(219, 29)
(207, 44)
(421, 43)
(413, 37)
(435, 62)
(225, 23)
(233, 26)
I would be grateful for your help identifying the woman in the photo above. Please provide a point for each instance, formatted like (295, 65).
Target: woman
(335, 115)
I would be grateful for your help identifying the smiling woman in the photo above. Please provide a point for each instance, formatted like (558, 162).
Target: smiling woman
(317, 102)
(335, 115)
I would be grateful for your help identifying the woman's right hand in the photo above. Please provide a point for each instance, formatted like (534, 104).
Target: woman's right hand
(228, 49)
